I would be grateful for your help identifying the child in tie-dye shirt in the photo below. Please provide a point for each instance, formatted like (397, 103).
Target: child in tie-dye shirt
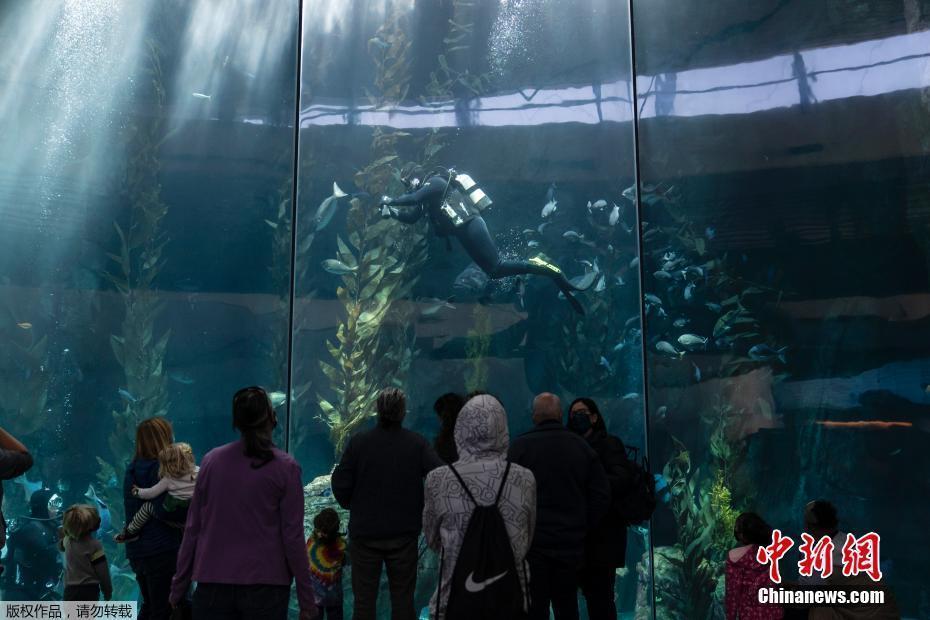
(326, 548)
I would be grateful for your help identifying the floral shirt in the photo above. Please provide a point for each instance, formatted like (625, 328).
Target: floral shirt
(744, 577)
(326, 562)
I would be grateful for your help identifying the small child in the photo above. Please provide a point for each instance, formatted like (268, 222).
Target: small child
(327, 551)
(178, 473)
(86, 570)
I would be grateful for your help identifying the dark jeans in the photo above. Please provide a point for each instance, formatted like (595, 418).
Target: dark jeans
(220, 601)
(400, 555)
(553, 582)
(88, 592)
(154, 575)
(333, 612)
(597, 585)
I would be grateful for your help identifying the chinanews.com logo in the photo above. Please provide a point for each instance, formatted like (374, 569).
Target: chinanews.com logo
(858, 556)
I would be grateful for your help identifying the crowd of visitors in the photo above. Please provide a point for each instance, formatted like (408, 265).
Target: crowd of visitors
(519, 527)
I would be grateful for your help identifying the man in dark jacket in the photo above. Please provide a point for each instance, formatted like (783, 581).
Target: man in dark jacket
(573, 494)
(15, 460)
(605, 547)
(380, 481)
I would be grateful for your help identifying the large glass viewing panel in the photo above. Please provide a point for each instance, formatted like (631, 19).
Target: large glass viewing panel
(143, 146)
(532, 100)
(783, 150)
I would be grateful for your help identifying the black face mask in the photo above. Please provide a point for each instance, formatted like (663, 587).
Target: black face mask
(579, 423)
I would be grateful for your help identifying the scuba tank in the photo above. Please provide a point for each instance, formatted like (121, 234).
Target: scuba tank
(463, 198)
(467, 185)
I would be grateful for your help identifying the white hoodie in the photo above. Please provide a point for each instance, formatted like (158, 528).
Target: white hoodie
(482, 439)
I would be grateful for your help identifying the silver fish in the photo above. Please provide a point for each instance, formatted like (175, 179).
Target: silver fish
(619, 346)
(614, 216)
(434, 305)
(180, 377)
(532, 244)
(662, 275)
(601, 284)
(277, 398)
(652, 299)
(634, 263)
(127, 396)
(666, 348)
(337, 267)
(631, 396)
(571, 235)
(201, 96)
(585, 281)
(600, 204)
(679, 323)
(326, 210)
(606, 364)
(697, 373)
(550, 208)
(542, 227)
(689, 292)
(691, 340)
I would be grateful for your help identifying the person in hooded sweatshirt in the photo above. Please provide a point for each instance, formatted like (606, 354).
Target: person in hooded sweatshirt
(482, 440)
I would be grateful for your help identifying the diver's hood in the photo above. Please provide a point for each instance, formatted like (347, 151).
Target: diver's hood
(481, 429)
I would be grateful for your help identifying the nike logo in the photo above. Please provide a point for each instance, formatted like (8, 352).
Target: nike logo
(474, 587)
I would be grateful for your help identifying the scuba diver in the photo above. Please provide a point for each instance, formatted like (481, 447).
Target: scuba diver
(453, 202)
(32, 567)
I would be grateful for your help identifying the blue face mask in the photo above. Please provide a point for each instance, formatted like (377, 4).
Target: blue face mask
(579, 423)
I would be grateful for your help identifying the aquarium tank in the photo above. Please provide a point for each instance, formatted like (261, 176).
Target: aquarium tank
(189, 204)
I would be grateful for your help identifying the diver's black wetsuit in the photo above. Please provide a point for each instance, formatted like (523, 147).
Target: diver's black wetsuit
(472, 232)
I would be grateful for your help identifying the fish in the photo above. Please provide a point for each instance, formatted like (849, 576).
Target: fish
(337, 267)
(532, 244)
(277, 398)
(662, 275)
(631, 396)
(377, 42)
(689, 291)
(630, 193)
(26, 326)
(550, 193)
(679, 323)
(662, 412)
(584, 282)
(666, 348)
(529, 232)
(600, 204)
(634, 263)
(691, 341)
(601, 284)
(765, 353)
(619, 346)
(434, 305)
(571, 235)
(326, 210)
(652, 299)
(127, 395)
(710, 232)
(605, 363)
(521, 292)
(614, 216)
(29, 487)
(714, 307)
(180, 377)
(542, 227)
(697, 373)
(201, 96)
(106, 521)
(550, 208)
(472, 279)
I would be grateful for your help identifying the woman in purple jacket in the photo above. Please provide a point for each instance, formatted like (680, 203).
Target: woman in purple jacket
(244, 540)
